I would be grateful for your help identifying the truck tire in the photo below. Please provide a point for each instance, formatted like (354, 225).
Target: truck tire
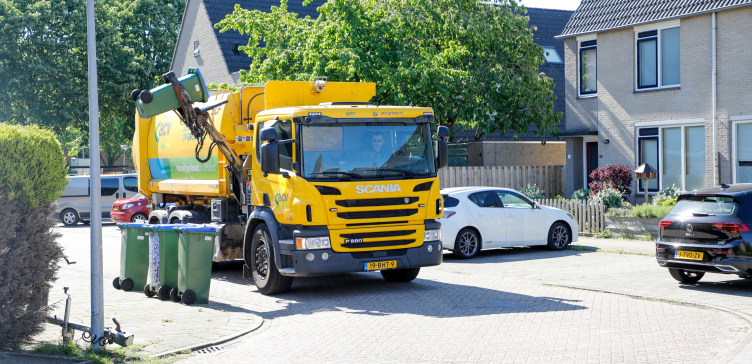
(265, 274)
(400, 275)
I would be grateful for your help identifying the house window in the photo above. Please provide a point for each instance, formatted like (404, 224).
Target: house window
(658, 63)
(588, 78)
(196, 49)
(551, 55)
(677, 152)
(743, 153)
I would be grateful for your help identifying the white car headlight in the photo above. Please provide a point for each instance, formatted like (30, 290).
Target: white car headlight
(313, 243)
(432, 235)
(127, 206)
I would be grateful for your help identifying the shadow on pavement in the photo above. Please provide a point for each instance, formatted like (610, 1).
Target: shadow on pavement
(369, 294)
(733, 287)
(516, 254)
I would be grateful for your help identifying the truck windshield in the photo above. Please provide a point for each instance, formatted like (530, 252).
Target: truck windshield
(367, 150)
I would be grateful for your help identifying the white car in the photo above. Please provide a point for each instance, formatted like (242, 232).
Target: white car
(477, 218)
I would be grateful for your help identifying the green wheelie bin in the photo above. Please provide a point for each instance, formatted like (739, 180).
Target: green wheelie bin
(134, 256)
(163, 261)
(163, 98)
(195, 252)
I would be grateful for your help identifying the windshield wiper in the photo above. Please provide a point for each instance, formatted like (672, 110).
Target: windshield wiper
(702, 214)
(409, 173)
(344, 173)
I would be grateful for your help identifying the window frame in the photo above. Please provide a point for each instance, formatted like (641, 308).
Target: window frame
(734, 145)
(492, 192)
(657, 137)
(682, 124)
(522, 197)
(658, 56)
(580, 66)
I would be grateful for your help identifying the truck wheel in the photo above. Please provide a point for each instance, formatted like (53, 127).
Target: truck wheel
(164, 293)
(400, 275)
(684, 276)
(116, 283)
(265, 274)
(126, 284)
(69, 217)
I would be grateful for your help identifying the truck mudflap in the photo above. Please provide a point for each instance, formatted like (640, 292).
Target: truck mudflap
(336, 263)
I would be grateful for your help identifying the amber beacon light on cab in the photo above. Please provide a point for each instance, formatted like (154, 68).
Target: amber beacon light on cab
(305, 178)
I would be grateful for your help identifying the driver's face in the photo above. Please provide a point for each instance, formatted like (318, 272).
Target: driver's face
(377, 142)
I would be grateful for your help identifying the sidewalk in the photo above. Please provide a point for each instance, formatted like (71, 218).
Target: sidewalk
(616, 245)
(159, 326)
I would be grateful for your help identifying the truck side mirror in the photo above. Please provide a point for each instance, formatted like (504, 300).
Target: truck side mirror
(268, 135)
(270, 157)
(443, 132)
(443, 153)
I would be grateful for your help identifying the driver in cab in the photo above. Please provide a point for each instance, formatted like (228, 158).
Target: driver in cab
(376, 150)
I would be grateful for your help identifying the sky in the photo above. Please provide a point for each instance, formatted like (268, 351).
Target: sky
(551, 4)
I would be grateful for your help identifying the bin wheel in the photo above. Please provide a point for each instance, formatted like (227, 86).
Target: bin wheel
(188, 297)
(164, 293)
(147, 291)
(126, 284)
(265, 274)
(174, 296)
(116, 283)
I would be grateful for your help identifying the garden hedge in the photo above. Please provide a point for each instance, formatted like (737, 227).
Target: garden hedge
(32, 177)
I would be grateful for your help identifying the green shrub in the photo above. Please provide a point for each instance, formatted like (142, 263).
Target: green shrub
(617, 212)
(32, 165)
(610, 196)
(582, 194)
(533, 192)
(649, 211)
(670, 202)
(668, 193)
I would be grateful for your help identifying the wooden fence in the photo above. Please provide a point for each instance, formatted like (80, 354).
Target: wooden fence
(590, 215)
(549, 178)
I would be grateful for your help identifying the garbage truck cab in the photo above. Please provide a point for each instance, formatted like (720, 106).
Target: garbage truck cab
(328, 183)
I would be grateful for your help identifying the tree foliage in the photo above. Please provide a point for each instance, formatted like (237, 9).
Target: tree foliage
(476, 64)
(43, 60)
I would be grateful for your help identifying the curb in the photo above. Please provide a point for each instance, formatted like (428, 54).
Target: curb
(727, 357)
(211, 343)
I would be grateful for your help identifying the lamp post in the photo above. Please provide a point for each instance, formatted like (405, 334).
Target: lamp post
(645, 172)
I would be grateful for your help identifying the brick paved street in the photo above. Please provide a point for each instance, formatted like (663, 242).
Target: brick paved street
(512, 305)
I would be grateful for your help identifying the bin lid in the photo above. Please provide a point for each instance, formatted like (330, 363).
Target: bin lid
(166, 226)
(194, 228)
(131, 224)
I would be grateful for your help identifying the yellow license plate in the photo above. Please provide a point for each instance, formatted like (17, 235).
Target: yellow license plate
(389, 264)
(683, 254)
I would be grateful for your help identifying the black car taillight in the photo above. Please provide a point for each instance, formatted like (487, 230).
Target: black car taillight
(730, 227)
(665, 223)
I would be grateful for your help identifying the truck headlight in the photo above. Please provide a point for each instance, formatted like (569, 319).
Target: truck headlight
(432, 235)
(313, 243)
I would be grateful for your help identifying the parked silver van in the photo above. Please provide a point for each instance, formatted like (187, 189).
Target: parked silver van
(74, 205)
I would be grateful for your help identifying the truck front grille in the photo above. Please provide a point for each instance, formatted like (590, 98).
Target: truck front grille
(375, 244)
(377, 202)
(380, 234)
(376, 214)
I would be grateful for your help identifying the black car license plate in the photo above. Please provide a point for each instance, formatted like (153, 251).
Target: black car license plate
(353, 241)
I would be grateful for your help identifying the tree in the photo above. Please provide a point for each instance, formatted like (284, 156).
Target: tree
(475, 63)
(43, 60)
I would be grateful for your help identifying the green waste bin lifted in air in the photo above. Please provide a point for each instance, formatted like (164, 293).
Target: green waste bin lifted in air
(163, 261)
(163, 98)
(195, 253)
(134, 256)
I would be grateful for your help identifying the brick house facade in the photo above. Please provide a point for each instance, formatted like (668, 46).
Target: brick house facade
(653, 99)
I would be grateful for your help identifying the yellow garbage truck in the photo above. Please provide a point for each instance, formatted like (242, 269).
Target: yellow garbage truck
(304, 178)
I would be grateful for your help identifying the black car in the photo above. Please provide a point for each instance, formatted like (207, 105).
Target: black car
(708, 231)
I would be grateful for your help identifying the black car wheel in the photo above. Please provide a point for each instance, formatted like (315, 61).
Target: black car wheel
(558, 237)
(467, 244)
(140, 218)
(69, 217)
(685, 276)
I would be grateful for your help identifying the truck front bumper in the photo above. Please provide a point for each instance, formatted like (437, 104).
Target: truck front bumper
(337, 263)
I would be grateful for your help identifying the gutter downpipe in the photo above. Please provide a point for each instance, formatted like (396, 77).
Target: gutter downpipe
(715, 144)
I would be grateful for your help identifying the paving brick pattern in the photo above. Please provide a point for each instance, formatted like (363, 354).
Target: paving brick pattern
(159, 326)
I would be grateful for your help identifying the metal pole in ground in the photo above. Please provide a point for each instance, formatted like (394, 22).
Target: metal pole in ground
(97, 299)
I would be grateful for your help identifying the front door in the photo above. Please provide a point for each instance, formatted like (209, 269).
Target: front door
(528, 223)
(489, 217)
(276, 190)
(110, 187)
(591, 160)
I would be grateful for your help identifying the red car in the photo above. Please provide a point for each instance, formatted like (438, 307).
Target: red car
(134, 209)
